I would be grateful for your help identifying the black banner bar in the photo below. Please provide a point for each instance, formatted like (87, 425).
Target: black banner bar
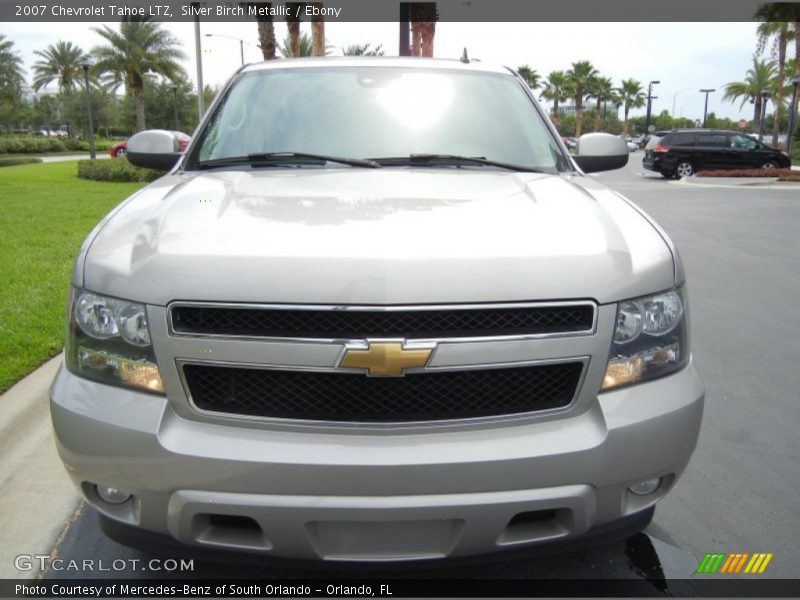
(380, 10)
(746, 587)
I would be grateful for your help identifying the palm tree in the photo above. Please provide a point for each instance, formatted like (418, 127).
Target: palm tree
(292, 43)
(423, 17)
(556, 88)
(758, 78)
(138, 48)
(780, 31)
(631, 95)
(61, 63)
(305, 47)
(782, 12)
(531, 77)
(318, 32)
(580, 78)
(603, 91)
(362, 50)
(266, 30)
(12, 75)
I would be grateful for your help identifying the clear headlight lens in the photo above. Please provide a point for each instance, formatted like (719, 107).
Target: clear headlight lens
(650, 339)
(108, 340)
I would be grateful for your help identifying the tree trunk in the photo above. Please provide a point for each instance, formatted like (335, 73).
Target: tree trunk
(293, 25)
(318, 32)
(578, 116)
(781, 75)
(137, 86)
(423, 18)
(757, 114)
(266, 35)
(555, 110)
(796, 65)
(625, 126)
(428, 33)
(597, 115)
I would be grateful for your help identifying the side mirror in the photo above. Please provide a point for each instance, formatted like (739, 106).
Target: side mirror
(600, 152)
(156, 148)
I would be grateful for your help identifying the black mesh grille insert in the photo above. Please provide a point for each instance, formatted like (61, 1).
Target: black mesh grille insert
(359, 324)
(426, 396)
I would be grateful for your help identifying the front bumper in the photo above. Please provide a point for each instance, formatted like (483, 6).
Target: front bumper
(375, 495)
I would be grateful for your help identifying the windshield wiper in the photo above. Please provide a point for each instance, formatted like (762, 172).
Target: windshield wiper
(429, 160)
(269, 159)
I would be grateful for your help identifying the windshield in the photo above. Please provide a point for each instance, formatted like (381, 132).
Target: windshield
(381, 112)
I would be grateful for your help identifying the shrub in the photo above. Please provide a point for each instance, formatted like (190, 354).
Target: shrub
(30, 145)
(118, 170)
(747, 173)
(11, 161)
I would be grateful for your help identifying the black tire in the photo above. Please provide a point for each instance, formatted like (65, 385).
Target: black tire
(769, 165)
(120, 152)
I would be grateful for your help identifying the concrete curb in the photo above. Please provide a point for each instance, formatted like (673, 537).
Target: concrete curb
(38, 498)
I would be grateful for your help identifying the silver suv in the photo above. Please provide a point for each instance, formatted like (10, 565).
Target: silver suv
(376, 311)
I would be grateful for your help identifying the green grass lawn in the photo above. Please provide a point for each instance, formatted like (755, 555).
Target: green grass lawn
(45, 213)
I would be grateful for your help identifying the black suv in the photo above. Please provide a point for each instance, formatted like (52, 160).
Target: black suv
(683, 152)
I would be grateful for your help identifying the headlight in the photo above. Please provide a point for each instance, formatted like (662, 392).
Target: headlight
(650, 339)
(108, 340)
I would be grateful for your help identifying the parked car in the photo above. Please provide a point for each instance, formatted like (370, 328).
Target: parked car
(632, 146)
(683, 152)
(121, 148)
(118, 150)
(375, 312)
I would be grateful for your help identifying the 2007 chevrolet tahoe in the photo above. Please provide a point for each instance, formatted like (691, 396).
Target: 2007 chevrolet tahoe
(376, 311)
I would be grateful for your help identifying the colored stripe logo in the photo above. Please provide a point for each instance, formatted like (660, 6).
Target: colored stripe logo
(734, 563)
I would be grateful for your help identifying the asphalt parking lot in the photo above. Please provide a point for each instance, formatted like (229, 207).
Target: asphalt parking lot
(741, 250)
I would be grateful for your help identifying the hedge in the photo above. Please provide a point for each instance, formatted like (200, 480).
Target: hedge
(118, 170)
(12, 161)
(31, 145)
(748, 173)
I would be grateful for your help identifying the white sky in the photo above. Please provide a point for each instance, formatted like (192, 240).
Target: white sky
(683, 56)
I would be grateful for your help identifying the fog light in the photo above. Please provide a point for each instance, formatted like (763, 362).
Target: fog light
(112, 495)
(645, 487)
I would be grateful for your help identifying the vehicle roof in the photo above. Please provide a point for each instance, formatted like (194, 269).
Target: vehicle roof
(700, 130)
(453, 64)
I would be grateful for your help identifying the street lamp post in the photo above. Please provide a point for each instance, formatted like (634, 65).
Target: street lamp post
(675, 97)
(764, 96)
(795, 81)
(86, 64)
(175, 105)
(705, 110)
(230, 37)
(649, 104)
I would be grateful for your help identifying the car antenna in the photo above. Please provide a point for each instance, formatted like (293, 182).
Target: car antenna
(464, 57)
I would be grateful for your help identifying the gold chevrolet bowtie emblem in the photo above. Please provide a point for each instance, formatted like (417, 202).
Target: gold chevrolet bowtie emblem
(385, 359)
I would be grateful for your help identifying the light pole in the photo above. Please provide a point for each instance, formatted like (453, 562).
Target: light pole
(649, 104)
(86, 64)
(705, 110)
(764, 96)
(795, 81)
(675, 97)
(175, 105)
(230, 37)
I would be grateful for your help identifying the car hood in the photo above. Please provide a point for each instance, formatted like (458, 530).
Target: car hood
(383, 236)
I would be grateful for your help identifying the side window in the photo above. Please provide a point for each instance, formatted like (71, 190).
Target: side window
(681, 139)
(715, 140)
(743, 142)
